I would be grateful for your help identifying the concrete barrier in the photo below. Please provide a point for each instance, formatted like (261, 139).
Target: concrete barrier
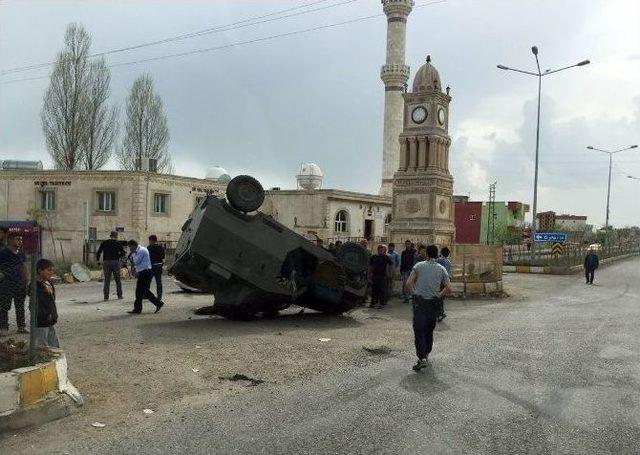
(37, 394)
(550, 270)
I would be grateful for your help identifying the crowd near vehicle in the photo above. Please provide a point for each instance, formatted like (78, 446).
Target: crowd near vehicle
(254, 265)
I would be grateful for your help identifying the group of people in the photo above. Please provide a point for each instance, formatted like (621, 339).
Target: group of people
(147, 264)
(14, 288)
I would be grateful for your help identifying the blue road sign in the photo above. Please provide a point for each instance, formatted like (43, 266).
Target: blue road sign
(550, 237)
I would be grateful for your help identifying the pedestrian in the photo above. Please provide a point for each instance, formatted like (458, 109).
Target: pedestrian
(4, 232)
(407, 261)
(422, 253)
(395, 269)
(591, 263)
(156, 254)
(332, 248)
(113, 254)
(44, 333)
(378, 272)
(142, 265)
(428, 283)
(444, 261)
(13, 284)
(338, 245)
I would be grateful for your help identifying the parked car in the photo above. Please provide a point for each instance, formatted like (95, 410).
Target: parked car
(256, 266)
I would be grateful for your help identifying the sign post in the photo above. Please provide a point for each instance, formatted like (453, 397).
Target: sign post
(555, 237)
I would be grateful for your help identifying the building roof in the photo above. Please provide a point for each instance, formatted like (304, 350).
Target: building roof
(427, 78)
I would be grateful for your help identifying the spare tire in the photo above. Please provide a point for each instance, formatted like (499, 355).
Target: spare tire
(245, 194)
(354, 258)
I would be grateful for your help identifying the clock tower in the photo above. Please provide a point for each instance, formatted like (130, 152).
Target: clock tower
(422, 185)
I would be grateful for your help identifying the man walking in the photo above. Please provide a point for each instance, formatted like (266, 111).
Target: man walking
(591, 263)
(113, 253)
(444, 261)
(13, 283)
(156, 254)
(428, 283)
(379, 264)
(395, 268)
(142, 264)
(407, 261)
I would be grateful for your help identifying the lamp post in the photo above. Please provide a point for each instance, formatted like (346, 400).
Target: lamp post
(632, 177)
(610, 153)
(539, 75)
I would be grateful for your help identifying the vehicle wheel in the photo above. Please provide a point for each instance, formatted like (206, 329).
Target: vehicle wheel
(353, 258)
(245, 194)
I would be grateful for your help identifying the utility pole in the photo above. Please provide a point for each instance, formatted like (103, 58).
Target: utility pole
(491, 215)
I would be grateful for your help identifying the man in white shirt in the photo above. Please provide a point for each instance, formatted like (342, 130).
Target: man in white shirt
(429, 283)
(142, 264)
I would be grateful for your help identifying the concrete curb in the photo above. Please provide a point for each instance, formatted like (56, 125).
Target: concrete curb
(37, 394)
(476, 289)
(559, 270)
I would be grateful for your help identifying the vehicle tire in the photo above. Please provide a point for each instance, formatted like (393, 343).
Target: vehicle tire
(353, 258)
(245, 194)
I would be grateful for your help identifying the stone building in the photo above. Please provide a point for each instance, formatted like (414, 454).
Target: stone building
(77, 207)
(423, 186)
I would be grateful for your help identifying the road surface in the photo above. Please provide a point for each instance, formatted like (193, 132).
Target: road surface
(554, 371)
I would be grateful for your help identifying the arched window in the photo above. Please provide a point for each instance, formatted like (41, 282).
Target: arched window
(342, 221)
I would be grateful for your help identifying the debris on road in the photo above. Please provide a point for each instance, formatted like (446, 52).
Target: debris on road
(324, 339)
(195, 370)
(241, 377)
(98, 425)
(377, 350)
(148, 411)
(198, 346)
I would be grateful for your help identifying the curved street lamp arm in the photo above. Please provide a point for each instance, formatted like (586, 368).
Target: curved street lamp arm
(502, 67)
(564, 68)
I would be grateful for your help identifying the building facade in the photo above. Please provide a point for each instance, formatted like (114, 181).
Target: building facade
(472, 226)
(76, 207)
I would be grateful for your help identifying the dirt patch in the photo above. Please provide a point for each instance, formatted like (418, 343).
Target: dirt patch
(377, 350)
(241, 377)
(15, 354)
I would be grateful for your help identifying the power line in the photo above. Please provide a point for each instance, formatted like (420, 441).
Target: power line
(240, 43)
(217, 29)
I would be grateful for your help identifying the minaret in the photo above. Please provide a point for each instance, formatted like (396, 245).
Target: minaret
(394, 74)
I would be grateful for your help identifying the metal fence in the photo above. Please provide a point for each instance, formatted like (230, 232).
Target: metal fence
(572, 255)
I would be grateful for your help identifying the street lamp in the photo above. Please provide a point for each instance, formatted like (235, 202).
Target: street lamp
(610, 153)
(632, 177)
(539, 75)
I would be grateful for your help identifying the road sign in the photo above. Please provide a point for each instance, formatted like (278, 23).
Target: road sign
(557, 249)
(550, 237)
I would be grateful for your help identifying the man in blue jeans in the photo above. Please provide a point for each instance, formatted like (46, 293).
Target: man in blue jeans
(156, 254)
(429, 283)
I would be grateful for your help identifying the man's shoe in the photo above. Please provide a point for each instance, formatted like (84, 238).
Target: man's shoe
(22, 330)
(422, 363)
(158, 306)
(134, 312)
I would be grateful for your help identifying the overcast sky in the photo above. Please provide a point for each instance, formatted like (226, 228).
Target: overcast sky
(264, 108)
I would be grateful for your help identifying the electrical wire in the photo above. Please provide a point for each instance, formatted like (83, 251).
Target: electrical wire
(241, 43)
(207, 31)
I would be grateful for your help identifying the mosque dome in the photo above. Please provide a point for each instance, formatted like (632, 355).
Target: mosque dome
(215, 173)
(310, 176)
(427, 78)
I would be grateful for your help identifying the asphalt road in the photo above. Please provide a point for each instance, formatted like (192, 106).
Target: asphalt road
(556, 372)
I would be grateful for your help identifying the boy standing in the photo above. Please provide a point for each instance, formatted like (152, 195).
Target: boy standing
(44, 333)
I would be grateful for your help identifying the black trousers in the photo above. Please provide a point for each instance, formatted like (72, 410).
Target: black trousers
(157, 275)
(425, 314)
(378, 291)
(18, 295)
(143, 292)
(589, 275)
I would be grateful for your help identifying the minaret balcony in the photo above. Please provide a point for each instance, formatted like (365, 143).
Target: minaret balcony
(394, 73)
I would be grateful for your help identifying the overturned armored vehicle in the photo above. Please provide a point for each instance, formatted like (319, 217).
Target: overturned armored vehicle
(254, 265)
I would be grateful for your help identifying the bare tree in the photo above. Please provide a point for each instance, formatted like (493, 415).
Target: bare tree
(146, 131)
(62, 116)
(101, 125)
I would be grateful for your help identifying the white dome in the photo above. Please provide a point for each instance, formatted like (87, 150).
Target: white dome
(215, 172)
(310, 176)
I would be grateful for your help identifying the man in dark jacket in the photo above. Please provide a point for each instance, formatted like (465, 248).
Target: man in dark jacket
(113, 253)
(407, 261)
(156, 254)
(13, 283)
(380, 265)
(44, 333)
(591, 263)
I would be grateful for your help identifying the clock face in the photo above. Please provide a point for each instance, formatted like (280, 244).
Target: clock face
(419, 114)
(441, 116)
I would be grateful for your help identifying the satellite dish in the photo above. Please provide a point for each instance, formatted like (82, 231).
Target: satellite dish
(80, 272)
